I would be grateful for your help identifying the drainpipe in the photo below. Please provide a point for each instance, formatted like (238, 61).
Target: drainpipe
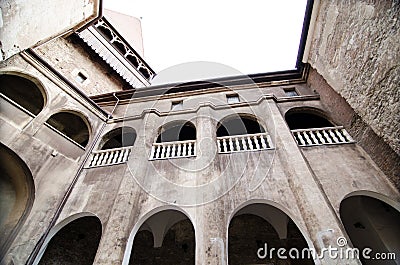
(32, 257)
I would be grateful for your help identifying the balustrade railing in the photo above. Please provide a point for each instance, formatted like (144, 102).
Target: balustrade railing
(109, 157)
(176, 149)
(246, 142)
(322, 136)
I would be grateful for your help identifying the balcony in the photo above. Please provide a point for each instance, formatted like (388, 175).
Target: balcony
(322, 136)
(242, 143)
(109, 157)
(176, 149)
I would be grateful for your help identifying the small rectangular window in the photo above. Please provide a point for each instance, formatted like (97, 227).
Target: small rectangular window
(80, 77)
(177, 105)
(291, 92)
(233, 98)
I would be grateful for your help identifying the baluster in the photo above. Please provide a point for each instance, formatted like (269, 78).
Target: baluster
(110, 157)
(94, 160)
(333, 136)
(158, 151)
(345, 133)
(312, 134)
(194, 148)
(179, 150)
(184, 149)
(243, 140)
(116, 156)
(300, 137)
(125, 156)
(168, 153)
(153, 152)
(163, 149)
(255, 138)
(327, 137)
(320, 138)
(224, 145)
(338, 133)
(230, 144)
(219, 145)
(173, 150)
(263, 143)
(237, 144)
(307, 138)
(100, 159)
(249, 141)
(190, 149)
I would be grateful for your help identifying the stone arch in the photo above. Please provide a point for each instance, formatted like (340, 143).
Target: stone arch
(306, 118)
(118, 137)
(372, 220)
(17, 194)
(239, 124)
(257, 222)
(25, 90)
(74, 240)
(176, 131)
(72, 124)
(157, 225)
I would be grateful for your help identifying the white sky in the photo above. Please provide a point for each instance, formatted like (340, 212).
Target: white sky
(253, 36)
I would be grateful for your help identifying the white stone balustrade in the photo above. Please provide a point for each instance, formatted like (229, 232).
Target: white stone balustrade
(109, 157)
(242, 143)
(167, 150)
(322, 136)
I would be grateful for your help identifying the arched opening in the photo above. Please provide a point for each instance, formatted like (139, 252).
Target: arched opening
(16, 196)
(75, 244)
(166, 237)
(177, 131)
(306, 119)
(372, 223)
(239, 125)
(22, 91)
(71, 125)
(263, 226)
(119, 137)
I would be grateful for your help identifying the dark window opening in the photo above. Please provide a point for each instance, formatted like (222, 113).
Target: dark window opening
(291, 92)
(233, 98)
(239, 126)
(133, 60)
(70, 125)
(144, 72)
(105, 32)
(177, 105)
(120, 47)
(178, 132)
(120, 137)
(298, 120)
(75, 244)
(80, 77)
(23, 92)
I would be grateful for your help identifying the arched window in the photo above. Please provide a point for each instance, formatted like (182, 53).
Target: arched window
(22, 91)
(176, 139)
(71, 125)
(240, 133)
(75, 244)
(258, 224)
(372, 223)
(119, 137)
(306, 119)
(167, 237)
(16, 196)
(177, 131)
(239, 125)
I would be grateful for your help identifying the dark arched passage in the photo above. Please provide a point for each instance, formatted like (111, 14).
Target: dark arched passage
(306, 119)
(75, 244)
(372, 223)
(22, 91)
(177, 131)
(239, 125)
(258, 224)
(165, 238)
(16, 196)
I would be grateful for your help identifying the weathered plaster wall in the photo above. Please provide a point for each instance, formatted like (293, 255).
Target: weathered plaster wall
(355, 47)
